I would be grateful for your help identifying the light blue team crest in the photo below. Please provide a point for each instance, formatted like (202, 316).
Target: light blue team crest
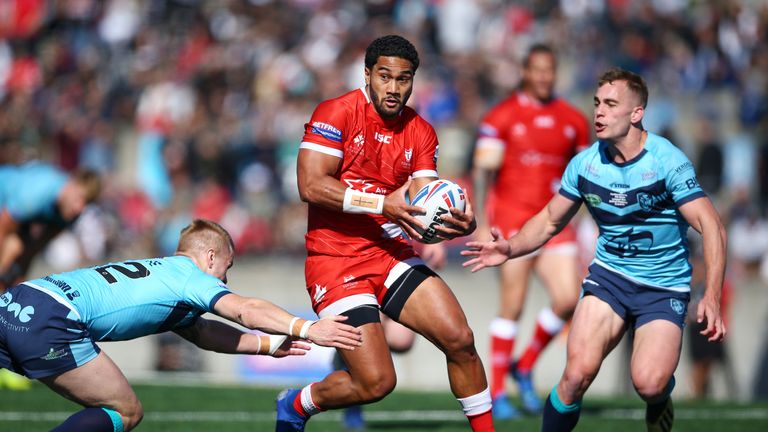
(677, 306)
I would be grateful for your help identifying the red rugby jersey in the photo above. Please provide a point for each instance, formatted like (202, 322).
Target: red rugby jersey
(538, 141)
(377, 157)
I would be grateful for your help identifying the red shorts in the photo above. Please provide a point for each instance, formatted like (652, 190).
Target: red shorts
(338, 284)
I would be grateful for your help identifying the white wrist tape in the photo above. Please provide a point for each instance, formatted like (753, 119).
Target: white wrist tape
(305, 329)
(362, 202)
(275, 341)
(290, 326)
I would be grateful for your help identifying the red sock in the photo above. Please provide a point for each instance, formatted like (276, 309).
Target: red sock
(482, 422)
(501, 353)
(547, 326)
(298, 406)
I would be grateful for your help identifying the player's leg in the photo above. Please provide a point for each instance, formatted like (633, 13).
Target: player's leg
(433, 311)
(595, 330)
(99, 385)
(399, 337)
(400, 340)
(370, 375)
(655, 356)
(557, 268)
(513, 284)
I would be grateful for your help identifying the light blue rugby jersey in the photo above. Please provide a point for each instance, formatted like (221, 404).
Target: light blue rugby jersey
(29, 191)
(642, 234)
(130, 299)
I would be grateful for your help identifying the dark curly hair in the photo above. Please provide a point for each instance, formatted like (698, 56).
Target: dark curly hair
(391, 46)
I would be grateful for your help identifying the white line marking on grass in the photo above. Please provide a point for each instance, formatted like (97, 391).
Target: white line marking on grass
(387, 416)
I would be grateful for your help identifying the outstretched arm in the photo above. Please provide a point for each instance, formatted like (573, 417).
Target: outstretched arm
(221, 337)
(257, 314)
(702, 216)
(537, 231)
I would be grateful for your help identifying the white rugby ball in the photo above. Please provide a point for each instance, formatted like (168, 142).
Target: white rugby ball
(437, 198)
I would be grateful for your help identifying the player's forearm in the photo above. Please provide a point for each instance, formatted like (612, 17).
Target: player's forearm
(714, 240)
(323, 191)
(534, 234)
(481, 182)
(220, 337)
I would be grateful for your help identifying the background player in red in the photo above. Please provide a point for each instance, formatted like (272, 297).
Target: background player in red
(524, 144)
(360, 153)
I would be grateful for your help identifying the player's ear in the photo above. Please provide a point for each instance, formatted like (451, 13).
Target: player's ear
(637, 114)
(210, 255)
(367, 73)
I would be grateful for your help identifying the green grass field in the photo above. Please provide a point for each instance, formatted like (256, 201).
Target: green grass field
(224, 409)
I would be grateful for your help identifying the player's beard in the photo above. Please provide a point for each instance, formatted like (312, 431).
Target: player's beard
(385, 112)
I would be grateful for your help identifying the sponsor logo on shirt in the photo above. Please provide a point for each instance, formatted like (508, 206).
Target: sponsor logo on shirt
(650, 203)
(319, 292)
(326, 131)
(22, 313)
(593, 200)
(408, 153)
(685, 166)
(648, 175)
(618, 199)
(544, 121)
(384, 139)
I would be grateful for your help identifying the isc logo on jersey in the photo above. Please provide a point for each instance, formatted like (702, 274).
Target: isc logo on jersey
(437, 198)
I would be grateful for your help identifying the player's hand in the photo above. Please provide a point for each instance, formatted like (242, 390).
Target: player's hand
(332, 332)
(400, 212)
(292, 347)
(434, 255)
(462, 223)
(709, 311)
(487, 254)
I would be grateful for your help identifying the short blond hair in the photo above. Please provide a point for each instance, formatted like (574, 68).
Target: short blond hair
(203, 234)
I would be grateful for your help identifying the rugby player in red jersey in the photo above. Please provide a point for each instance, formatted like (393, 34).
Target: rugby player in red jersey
(523, 146)
(360, 153)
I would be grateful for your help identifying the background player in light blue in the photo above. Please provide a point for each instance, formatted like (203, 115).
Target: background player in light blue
(37, 193)
(643, 194)
(37, 201)
(49, 326)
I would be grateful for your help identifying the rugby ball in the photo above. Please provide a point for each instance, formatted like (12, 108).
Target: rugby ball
(436, 198)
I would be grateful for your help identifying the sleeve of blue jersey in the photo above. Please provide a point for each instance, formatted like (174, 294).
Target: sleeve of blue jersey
(569, 184)
(681, 179)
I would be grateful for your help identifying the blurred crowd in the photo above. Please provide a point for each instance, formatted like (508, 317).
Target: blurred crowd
(195, 108)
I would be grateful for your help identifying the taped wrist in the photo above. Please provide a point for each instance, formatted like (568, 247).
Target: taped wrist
(299, 327)
(362, 202)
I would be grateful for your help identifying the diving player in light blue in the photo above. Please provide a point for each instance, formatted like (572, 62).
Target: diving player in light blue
(49, 326)
(643, 194)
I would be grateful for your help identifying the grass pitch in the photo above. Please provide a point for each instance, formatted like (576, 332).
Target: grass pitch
(231, 408)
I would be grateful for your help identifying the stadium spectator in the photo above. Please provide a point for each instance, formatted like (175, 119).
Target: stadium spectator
(523, 146)
(65, 314)
(360, 153)
(642, 192)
